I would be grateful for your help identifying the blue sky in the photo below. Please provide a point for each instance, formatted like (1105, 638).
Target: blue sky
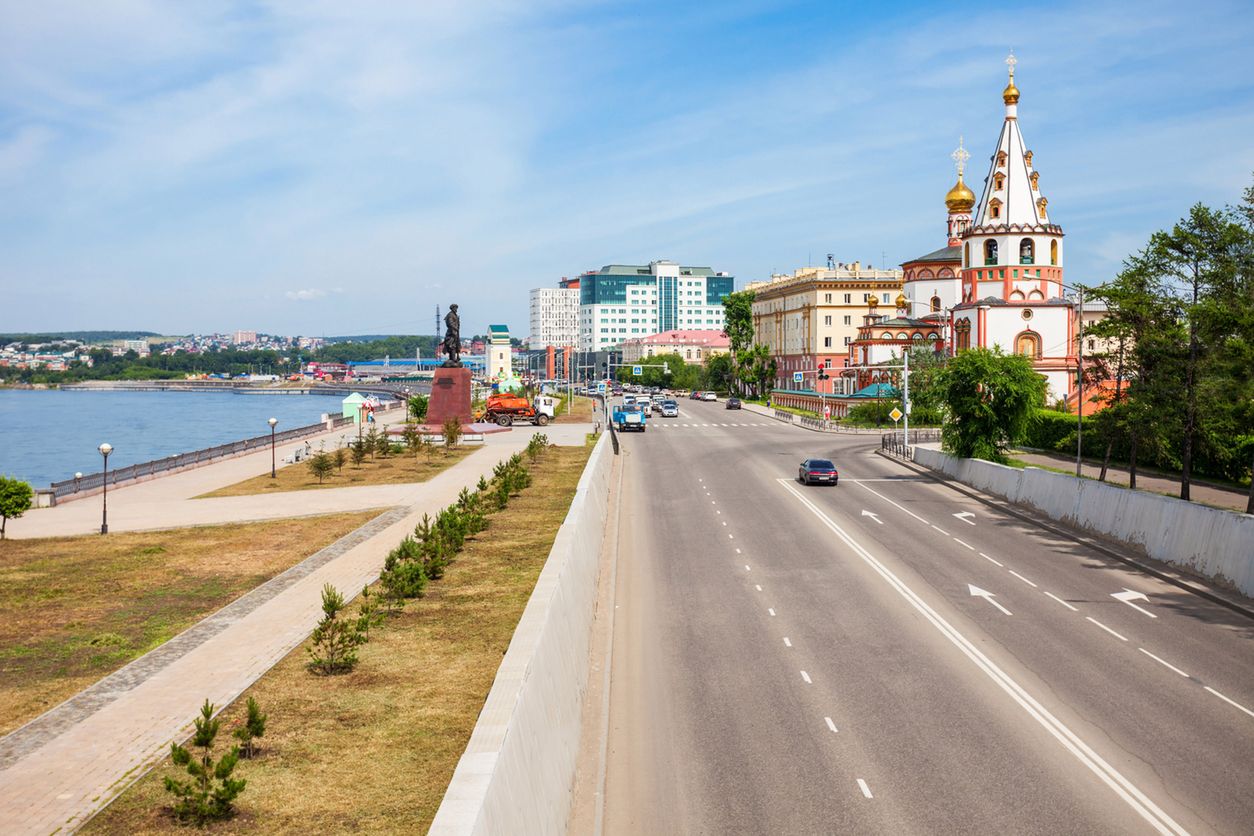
(331, 168)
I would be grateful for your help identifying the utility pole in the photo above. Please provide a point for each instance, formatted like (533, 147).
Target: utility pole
(905, 395)
(1079, 406)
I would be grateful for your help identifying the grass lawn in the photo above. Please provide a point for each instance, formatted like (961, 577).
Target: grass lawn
(73, 609)
(374, 750)
(393, 470)
(581, 411)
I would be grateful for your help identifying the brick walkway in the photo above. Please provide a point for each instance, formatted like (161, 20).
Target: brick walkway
(59, 769)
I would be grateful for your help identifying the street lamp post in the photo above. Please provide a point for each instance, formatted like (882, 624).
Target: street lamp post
(78, 478)
(105, 449)
(272, 422)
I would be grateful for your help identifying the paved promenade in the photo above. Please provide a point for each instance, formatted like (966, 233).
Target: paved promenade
(59, 769)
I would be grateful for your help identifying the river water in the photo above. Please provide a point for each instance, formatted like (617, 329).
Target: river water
(47, 435)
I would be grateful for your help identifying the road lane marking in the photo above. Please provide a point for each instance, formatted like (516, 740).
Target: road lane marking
(1128, 596)
(968, 545)
(894, 504)
(729, 537)
(771, 610)
(986, 557)
(787, 643)
(806, 677)
(962, 515)
(875, 517)
(713, 502)
(759, 586)
(1020, 577)
(941, 530)
(718, 512)
(747, 569)
(976, 592)
(1064, 603)
(1104, 627)
(1163, 662)
(1230, 702)
(1068, 739)
(738, 552)
(865, 789)
(830, 724)
(724, 522)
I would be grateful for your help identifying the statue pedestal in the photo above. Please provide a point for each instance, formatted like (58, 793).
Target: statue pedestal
(450, 396)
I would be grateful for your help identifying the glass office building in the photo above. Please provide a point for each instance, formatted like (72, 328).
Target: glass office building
(622, 301)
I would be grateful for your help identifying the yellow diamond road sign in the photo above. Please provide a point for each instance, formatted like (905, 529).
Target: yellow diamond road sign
(895, 414)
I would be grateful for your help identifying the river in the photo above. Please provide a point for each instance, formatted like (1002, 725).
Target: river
(47, 435)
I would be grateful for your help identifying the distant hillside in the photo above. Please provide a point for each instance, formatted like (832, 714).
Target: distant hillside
(374, 338)
(82, 336)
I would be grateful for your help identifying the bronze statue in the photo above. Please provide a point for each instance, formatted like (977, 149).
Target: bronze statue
(452, 338)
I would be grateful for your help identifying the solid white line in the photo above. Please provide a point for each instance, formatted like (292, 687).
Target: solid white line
(1230, 702)
(1104, 627)
(986, 557)
(806, 677)
(1163, 662)
(941, 530)
(959, 542)
(759, 586)
(865, 789)
(1068, 739)
(830, 724)
(771, 610)
(890, 502)
(1059, 600)
(1020, 577)
(786, 642)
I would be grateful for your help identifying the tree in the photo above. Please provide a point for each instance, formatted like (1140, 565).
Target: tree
(334, 641)
(717, 374)
(208, 796)
(253, 728)
(738, 323)
(321, 465)
(991, 396)
(339, 457)
(357, 452)
(16, 497)
(452, 432)
(418, 408)
(372, 441)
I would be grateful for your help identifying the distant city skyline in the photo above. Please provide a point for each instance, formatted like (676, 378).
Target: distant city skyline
(330, 169)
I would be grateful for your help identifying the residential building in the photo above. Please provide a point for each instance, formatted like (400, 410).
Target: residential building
(554, 317)
(694, 346)
(500, 353)
(244, 337)
(808, 320)
(140, 347)
(622, 301)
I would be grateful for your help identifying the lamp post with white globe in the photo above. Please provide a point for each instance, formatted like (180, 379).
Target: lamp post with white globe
(272, 422)
(105, 449)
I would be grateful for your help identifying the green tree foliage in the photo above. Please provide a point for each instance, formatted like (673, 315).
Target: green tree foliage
(756, 367)
(738, 323)
(991, 398)
(210, 792)
(417, 406)
(357, 452)
(371, 440)
(253, 728)
(339, 457)
(717, 374)
(16, 497)
(321, 465)
(452, 432)
(361, 349)
(334, 641)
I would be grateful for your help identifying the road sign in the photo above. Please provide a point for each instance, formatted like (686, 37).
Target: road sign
(601, 388)
(798, 377)
(637, 370)
(895, 415)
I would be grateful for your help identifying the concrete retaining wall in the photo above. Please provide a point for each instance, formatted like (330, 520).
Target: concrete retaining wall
(518, 770)
(1210, 542)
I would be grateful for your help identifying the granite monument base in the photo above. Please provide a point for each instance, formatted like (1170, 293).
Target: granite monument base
(450, 396)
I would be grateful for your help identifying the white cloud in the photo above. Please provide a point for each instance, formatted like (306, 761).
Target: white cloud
(307, 295)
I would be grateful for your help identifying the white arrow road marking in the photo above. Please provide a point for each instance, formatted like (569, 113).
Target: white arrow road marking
(963, 516)
(1128, 596)
(986, 595)
(875, 517)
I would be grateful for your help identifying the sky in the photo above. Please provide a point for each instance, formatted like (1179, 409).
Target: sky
(330, 168)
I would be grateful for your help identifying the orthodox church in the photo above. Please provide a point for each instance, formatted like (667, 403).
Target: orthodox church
(999, 279)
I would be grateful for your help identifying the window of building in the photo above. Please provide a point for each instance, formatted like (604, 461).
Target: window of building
(1028, 343)
(848, 320)
(848, 298)
(1027, 251)
(999, 182)
(887, 297)
(827, 297)
(936, 303)
(990, 252)
(827, 342)
(827, 320)
(846, 341)
(1053, 251)
(962, 334)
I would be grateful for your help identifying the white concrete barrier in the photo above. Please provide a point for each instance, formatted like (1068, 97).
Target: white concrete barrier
(518, 770)
(1210, 542)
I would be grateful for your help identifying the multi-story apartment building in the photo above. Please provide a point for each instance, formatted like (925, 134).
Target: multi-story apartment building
(807, 320)
(621, 301)
(555, 316)
(244, 337)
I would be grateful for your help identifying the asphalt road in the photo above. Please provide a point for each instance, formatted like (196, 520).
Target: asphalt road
(892, 656)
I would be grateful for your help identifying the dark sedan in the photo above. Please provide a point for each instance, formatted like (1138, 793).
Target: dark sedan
(733, 403)
(817, 471)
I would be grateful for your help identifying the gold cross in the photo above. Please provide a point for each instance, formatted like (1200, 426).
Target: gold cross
(960, 156)
(1010, 62)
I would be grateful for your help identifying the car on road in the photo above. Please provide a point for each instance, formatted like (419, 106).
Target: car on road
(709, 396)
(695, 395)
(670, 409)
(733, 403)
(817, 472)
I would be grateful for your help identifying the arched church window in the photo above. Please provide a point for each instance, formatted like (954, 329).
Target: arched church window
(887, 335)
(1027, 251)
(1016, 295)
(999, 182)
(1028, 343)
(990, 252)
(1053, 252)
(968, 258)
(903, 336)
(936, 303)
(1036, 294)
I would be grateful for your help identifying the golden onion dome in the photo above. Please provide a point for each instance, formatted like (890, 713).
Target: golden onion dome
(903, 301)
(1011, 94)
(960, 198)
(872, 302)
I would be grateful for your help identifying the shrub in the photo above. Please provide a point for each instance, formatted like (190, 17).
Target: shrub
(368, 613)
(321, 465)
(15, 500)
(335, 640)
(452, 432)
(339, 457)
(208, 795)
(357, 450)
(253, 728)
(404, 575)
(371, 441)
(1048, 429)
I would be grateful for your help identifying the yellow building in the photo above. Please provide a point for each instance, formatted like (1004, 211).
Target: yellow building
(808, 319)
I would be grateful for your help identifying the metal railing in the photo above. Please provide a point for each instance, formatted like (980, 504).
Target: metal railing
(895, 445)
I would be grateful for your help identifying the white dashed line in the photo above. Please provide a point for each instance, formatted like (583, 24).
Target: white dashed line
(1163, 662)
(718, 512)
(724, 522)
(1020, 577)
(1104, 627)
(1059, 600)
(865, 789)
(787, 643)
(894, 504)
(713, 502)
(738, 552)
(729, 537)
(747, 569)
(1230, 702)
(806, 677)
(986, 557)
(758, 586)
(830, 724)
(771, 610)
(968, 545)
